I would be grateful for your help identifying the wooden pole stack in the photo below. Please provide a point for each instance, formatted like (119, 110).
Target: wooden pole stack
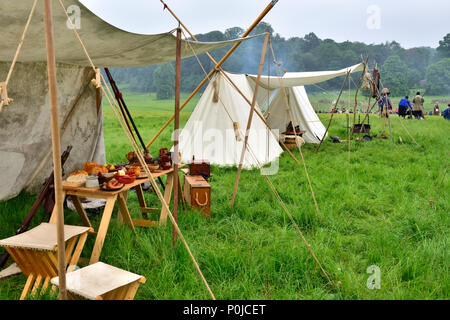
(56, 146)
(176, 159)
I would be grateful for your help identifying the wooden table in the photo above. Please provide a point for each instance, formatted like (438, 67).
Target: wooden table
(120, 197)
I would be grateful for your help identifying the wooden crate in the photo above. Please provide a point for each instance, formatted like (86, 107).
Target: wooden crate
(197, 193)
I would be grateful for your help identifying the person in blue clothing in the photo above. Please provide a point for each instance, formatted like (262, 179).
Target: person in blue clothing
(403, 107)
(383, 102)
(446, 113)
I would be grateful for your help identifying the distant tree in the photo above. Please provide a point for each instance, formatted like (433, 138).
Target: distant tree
(234, 33)
(418, 59)
(311, 41)
(328, 55)
(394, 76)
(263, 27)
(438, 78)
(163, 81)
(444, 47)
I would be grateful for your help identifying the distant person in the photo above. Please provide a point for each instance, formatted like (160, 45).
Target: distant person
(418, 109)
(436, 110)
(404, 107)
(385, 102)
(446, 113)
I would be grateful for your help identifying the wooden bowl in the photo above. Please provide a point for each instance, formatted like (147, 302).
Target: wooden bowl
(153, 167)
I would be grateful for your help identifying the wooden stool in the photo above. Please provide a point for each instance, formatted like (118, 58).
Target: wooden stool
(35, 252)
(100, 281)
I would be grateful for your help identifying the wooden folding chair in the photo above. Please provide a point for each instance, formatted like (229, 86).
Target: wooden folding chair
(100, 281)
(35, 252)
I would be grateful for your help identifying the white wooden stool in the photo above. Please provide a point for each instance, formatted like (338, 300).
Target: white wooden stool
(35, 252)
(100, 281)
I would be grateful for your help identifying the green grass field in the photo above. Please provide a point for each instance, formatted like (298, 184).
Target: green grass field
(374, 210)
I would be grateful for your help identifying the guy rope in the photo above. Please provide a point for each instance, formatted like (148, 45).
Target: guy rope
(5, 100)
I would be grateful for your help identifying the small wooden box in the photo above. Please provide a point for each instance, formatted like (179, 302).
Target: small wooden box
(197, 193)
(200, 168)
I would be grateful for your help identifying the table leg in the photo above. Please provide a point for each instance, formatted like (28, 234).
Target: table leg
(167, 197)
(102, 230)
(54, 215)
(119, 215)
(80, 210)
(141, 199)
(123, 210)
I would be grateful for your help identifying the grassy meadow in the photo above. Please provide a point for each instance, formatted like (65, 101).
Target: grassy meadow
(374, 210)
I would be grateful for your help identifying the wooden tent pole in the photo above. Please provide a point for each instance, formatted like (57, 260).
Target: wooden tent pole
(56, 146)
(250, 119)
(176, 159)
(358, 87)
(222, 61)
(332, 114)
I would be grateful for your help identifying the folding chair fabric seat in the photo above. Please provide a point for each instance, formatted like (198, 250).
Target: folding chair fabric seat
(101, 281)
(43, 237)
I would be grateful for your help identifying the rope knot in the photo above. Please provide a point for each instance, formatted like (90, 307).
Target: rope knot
(97, 80)
(5, 100)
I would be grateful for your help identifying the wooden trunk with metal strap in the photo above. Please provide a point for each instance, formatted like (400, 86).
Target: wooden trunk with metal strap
(197, 193)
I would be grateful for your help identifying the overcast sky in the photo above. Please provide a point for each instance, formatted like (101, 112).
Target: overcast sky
(412, 23)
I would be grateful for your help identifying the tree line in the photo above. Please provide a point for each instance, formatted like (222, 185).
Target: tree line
(402, 70)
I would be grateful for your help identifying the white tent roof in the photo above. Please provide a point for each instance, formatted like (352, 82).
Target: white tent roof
(297, 79)
(209, 134)
(107, 45)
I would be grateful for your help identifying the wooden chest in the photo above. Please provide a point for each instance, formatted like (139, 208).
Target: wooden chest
(197, 193)
(200, 168)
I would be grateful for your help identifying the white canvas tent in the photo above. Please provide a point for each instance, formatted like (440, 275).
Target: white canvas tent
(25, 136)
(210, 132)
(303, 113)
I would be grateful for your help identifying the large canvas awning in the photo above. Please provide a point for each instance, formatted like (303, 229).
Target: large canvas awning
(107, 45)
